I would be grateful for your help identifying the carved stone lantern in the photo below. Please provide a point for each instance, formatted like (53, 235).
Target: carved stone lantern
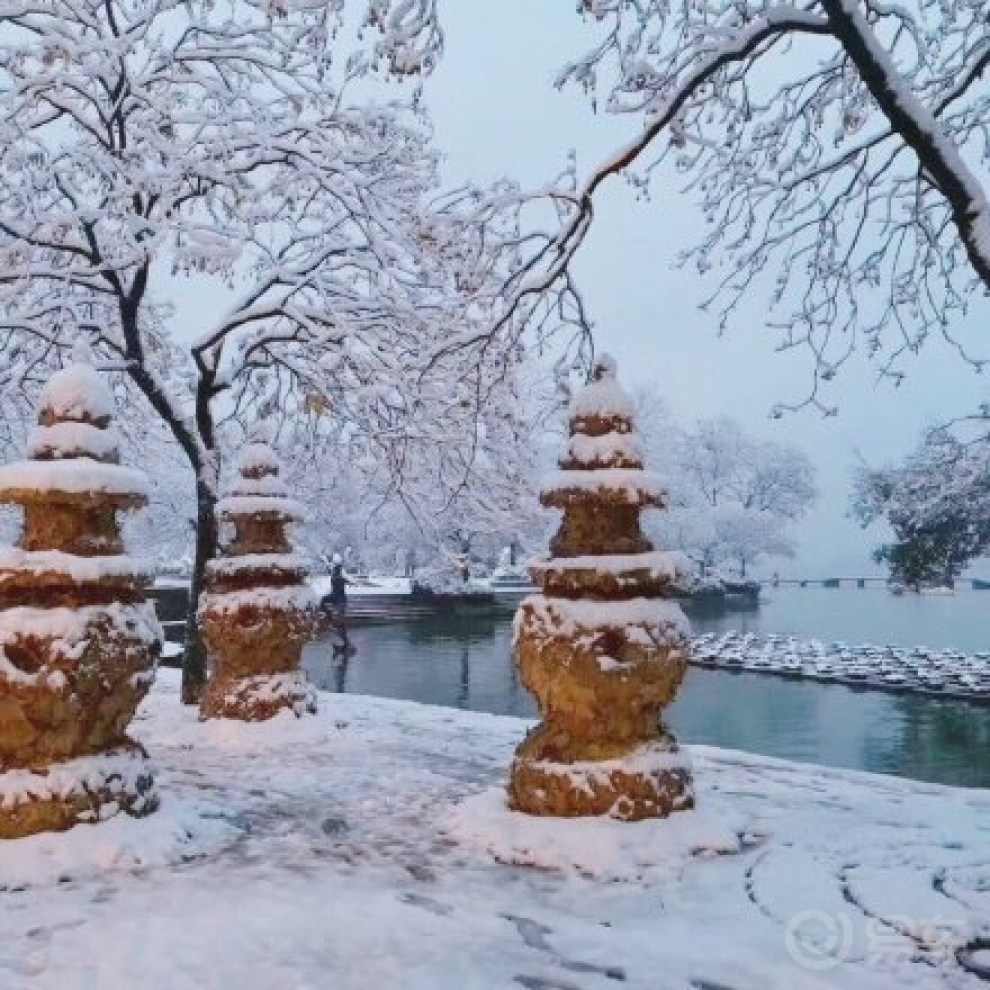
(258, 612)
(603, 648)
(79, 641)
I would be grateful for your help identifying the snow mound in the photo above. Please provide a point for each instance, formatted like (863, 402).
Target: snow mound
(71, 439)
(182, 830)
(596, 848)
(258, 457)
(74, 476)
(564, 617)
(632, 484)
(77, 393)
(252, 505)
(603, 395)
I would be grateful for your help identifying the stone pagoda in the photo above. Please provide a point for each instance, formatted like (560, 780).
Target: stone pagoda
(602, 648)
(78, 640)
(258, 612)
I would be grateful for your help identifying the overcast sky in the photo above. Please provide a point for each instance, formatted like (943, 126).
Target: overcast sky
(497, 113)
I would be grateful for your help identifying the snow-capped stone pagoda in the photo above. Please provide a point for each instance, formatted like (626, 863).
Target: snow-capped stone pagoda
(601, 648)
(258, 612)
(79, 642)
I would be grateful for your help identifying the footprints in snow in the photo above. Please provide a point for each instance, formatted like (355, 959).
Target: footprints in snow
(535, 935)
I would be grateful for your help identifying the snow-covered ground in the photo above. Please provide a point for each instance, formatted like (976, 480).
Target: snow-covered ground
(369, 847)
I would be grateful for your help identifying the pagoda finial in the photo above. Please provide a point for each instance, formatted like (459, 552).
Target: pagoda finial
(605, 368)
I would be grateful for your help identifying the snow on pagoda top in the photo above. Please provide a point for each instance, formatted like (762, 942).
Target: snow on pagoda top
(603, 397)
(76, 394)
(258, 488)
(259, 469)
(258, 466)
(74, 450)
(256, 458)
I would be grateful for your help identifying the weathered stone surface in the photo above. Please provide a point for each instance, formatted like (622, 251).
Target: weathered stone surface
(258, 613)
(79, 702)
(78, 641)
(632, 789)
(68, 794)
(601, 649)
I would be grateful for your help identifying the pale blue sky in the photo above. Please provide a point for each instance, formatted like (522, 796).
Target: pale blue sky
(497, 113)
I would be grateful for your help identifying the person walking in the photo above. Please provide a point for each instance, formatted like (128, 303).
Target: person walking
(335, 603)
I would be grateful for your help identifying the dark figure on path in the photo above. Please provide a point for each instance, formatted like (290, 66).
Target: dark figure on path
(335, 604)
(340, 660)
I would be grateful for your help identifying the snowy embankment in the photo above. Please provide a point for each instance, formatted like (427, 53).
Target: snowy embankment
(369, 847)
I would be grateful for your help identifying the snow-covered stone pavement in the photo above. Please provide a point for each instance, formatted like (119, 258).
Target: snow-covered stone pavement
(369, 847)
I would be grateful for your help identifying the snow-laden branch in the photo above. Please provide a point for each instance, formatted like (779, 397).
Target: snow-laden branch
(143, 143)
(838, 151)
(918, 126)
(549, 265)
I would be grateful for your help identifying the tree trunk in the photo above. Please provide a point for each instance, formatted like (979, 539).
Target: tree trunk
(199, 446)
(194, 663)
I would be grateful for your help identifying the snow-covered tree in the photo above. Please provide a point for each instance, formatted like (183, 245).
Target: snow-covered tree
(144, 141)
(442, 497)
(741, 535)
(837, 150)
(937, 503)
(732, 496)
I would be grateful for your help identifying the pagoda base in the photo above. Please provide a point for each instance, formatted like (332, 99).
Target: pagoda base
(85, 790)
(259, 697)
(652, 780)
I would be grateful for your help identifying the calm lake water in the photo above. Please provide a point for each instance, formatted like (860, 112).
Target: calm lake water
(468, 664)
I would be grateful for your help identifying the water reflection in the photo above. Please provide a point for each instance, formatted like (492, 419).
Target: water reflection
(467, 664)
(937, 733)
(458, 663)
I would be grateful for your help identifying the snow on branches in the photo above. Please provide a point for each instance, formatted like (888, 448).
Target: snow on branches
(837, 149)
(221, 142)
(145, 143)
